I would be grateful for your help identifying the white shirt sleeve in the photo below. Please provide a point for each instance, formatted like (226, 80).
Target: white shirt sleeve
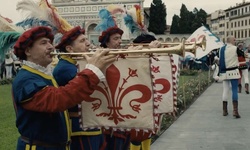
(97, 71)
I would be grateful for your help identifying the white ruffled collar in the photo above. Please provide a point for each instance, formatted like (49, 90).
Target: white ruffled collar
(40, 68)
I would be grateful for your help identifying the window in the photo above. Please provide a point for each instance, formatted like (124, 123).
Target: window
(235, 24)
(232, 25)
(242, 23)
(245, 22)
(227, 25)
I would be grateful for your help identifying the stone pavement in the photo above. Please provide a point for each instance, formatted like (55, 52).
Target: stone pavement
(202, 126)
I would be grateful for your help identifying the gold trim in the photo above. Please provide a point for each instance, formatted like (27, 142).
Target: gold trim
(68, 59)
(89, 133)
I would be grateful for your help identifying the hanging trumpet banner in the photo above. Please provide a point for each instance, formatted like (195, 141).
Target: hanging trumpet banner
(136, 91)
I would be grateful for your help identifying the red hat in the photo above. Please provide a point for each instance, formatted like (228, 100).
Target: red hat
(106, 34)
(29, 37)
(69, 36)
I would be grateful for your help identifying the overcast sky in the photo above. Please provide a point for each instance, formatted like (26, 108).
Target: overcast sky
(8, 7)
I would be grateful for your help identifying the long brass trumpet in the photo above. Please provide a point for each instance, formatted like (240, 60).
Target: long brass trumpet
(177, 49)
(201, 43)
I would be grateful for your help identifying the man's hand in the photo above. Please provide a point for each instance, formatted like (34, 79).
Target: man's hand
(100, 58)
(135, 47)
(155, 44)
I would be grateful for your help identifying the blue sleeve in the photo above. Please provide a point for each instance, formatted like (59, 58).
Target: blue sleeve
(63, 74)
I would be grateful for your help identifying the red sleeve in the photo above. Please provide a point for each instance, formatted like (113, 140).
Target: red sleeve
(52, 99)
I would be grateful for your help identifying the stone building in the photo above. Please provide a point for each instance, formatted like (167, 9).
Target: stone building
(233, 21)
(85, 14)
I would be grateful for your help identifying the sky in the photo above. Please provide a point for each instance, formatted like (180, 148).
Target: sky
(8, 7)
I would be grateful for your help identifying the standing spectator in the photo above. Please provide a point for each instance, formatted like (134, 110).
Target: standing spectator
(243, 70)
(215, 67)
(247, 59)
(3, 70)
(8, 65)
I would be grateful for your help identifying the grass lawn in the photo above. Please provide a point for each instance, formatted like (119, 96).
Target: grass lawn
(8, 130)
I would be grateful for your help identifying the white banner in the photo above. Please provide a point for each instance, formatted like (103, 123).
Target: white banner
(212, 42)
(136, 90)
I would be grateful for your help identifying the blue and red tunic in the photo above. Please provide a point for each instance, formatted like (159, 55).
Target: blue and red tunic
(40, 107)
(65, 71)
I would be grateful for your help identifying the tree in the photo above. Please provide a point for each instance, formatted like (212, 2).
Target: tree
(189, 21)
(175, 28)
(195, 23)
(157, 19)
(184, 20)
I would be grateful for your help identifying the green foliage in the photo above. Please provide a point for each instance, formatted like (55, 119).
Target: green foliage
(8, 130)
(5, 81)
(184, 21)
(175, 25)
(188, 21)
(192, 88)
(188, 72)
(157, 19)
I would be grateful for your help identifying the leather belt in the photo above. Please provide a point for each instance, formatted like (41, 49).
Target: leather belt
(228, 69)
(44, 144)
(74, 114)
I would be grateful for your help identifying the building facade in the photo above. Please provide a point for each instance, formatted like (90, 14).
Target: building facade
(232, 21)
(84, 13)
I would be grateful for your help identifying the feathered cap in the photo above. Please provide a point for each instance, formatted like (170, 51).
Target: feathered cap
(68, 37)
(29, 37)
(9, 33)
(6, 25)
(42, 14)
(7, 41)
(134, 20)
(108, 24)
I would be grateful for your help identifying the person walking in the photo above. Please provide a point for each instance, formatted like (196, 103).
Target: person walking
(229, 73)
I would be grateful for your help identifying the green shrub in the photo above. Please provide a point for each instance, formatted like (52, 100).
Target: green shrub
(6, 81)
(188, 72)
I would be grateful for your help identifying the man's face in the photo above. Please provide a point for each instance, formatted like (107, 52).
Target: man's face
(39, 52)
(114, 41)
(80, 44)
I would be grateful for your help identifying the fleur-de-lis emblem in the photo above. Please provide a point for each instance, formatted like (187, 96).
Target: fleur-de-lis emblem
(114, 91)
